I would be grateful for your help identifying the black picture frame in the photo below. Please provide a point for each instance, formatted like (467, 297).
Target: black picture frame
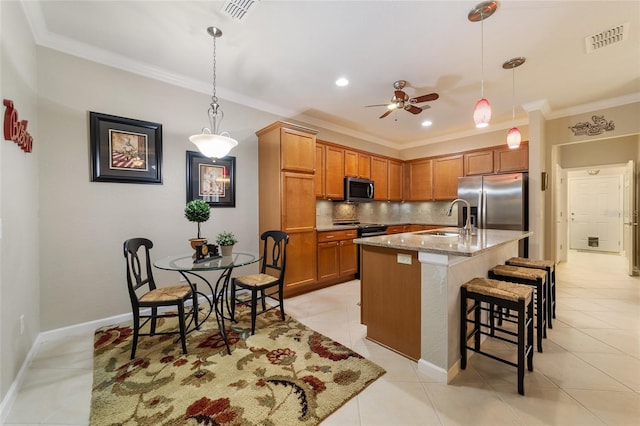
(211, 180)
(125, 150)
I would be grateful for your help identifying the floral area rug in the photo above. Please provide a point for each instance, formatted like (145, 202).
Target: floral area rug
(285, 374)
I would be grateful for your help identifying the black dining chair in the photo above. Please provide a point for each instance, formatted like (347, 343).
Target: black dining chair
(269, 282)
(146, 297)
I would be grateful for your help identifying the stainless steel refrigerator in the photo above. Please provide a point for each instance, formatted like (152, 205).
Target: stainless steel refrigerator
(497, 202)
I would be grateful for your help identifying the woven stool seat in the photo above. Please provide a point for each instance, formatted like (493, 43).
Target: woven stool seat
(499, 289)
(550, 267)
(479, 297)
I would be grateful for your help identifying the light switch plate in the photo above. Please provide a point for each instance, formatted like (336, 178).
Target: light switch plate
(404, 258)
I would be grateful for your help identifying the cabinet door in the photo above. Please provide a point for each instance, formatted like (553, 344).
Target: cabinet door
(420, 180)
(350, 163)
(379, 175)
(301, 261)
(328, 260)
(348, 257)
(446, 171)
(364, 166)
(320, 170)
(395, 180)
(298, 202)
(478, 163)
(512, 160)
(334, 173)
(297, 151)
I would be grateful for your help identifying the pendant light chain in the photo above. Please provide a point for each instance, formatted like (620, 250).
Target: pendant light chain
(513, 92)
(481, 54)
(214, 98)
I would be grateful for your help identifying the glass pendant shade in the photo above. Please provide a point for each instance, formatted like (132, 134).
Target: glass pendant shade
(482, 113)
(212, 145)
(514, 138)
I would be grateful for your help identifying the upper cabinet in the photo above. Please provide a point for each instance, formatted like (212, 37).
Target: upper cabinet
(446, 171)
(320, 169)
(512, 160)
(395, 180)
(419, 180)
(357, 164)
(297, 151)
(497, 159)
(329, 171)
(380, 177)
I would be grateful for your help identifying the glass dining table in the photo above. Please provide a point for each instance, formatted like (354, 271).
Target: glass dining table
(191, 271)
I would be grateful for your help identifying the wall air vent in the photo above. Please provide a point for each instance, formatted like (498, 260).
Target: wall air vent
(607, 38)
(237, 9)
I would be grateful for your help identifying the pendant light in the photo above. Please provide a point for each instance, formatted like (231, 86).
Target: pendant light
(513, 136)
(210, 142)
(482, 110)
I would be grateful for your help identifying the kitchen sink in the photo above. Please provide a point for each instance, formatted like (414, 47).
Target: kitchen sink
(439, 233)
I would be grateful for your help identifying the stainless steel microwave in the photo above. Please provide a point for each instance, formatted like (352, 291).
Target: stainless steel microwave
(358, 190)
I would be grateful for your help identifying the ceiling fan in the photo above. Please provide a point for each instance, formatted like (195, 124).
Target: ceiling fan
(401, 100)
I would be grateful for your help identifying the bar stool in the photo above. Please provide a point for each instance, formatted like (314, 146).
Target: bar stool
(532, 277)
(550, 267)
(504, 295)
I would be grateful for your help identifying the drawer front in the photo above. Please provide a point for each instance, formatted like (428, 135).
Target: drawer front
(327, 236)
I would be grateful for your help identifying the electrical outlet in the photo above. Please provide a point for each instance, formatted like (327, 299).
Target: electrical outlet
(21, 324)
(404, 258)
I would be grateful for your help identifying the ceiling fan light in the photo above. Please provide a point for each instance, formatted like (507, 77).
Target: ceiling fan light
(212, 145)
(513, 138)
(391, 106)
(482, 113)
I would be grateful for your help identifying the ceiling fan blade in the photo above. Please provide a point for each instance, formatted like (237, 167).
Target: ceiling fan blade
(413, 109)
(424, 98)
(386, 113)
(377, 105)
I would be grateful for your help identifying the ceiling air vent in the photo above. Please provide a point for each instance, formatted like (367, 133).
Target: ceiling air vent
(237, 9)
(607, 38)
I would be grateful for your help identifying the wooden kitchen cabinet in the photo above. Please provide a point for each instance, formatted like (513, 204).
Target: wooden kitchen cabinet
(446, 171)
(478, 163)
(329, 172)
(380, 178)
(357, 164)
(337, 254)
(287, 197)
(334, 173)
(395, 229)
(512, 160)
(395, 180)
(320, 170)
(419, 180)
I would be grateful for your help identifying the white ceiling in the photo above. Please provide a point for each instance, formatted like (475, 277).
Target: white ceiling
(285, 56)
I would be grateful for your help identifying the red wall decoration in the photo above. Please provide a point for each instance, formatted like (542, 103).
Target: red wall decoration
(16, 130)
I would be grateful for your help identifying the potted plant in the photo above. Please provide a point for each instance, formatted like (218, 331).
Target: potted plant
(226, 240)
(197, 211)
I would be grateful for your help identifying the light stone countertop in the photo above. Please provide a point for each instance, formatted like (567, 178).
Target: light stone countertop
(421, 241)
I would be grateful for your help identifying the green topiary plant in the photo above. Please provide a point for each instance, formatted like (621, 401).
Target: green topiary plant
(197, 211)
(226, 239)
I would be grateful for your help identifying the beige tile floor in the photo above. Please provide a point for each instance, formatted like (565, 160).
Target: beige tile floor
(589, 373)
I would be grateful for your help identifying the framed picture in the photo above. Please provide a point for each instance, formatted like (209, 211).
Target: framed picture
(211, 180)
(125, 150)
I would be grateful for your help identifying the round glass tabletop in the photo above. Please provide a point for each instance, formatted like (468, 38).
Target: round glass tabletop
(186, 263)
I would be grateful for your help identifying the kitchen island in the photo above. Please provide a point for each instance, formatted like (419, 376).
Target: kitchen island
(410, 289)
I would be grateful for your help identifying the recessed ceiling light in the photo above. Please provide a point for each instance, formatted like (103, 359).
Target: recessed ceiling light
(342, 82)
(426, 123)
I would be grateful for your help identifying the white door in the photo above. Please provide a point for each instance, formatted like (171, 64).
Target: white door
(560, 183)
(629, 215)
(595, 213)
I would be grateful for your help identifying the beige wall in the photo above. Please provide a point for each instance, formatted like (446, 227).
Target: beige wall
(19, 255)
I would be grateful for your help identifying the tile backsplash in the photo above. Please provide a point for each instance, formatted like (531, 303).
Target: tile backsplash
(433, 212)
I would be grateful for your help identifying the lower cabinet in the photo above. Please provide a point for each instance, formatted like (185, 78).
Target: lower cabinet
(337, 254)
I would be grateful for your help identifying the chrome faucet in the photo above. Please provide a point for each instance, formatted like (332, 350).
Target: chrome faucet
(466, 230)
